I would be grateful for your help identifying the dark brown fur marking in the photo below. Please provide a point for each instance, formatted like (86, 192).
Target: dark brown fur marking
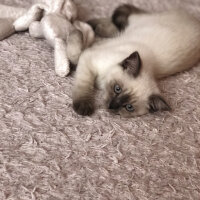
(132, 64)
(157, 103)
(84, 106)
(118, 102)
(103, 27)
(121, 14)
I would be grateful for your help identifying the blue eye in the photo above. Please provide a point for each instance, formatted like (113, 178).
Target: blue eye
(117, 89)
(129, 108)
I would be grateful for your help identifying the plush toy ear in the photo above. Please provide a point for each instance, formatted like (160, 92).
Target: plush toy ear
(157, 103)
(132, 64)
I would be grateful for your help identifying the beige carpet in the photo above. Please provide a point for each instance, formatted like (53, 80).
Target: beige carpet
(47, 152)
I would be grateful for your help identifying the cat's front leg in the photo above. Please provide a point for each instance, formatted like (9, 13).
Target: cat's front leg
(83, 91)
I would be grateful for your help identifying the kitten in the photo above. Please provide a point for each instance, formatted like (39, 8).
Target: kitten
(125, 68)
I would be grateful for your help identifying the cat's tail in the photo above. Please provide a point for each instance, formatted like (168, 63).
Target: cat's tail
(121, 14)
(103, 27)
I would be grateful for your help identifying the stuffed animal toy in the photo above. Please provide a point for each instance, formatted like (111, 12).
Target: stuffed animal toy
(56, 22)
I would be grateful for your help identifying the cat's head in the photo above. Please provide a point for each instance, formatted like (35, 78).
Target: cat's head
(131, 90)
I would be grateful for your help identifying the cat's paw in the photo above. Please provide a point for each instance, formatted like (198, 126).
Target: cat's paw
(83, 107)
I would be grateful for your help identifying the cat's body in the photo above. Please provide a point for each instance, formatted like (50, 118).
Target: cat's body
(152, 46)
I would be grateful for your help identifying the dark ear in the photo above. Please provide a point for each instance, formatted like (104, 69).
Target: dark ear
(132, 64)
(157, 103)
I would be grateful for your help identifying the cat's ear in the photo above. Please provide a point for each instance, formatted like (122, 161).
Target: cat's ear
(157, 103)
(132, 64)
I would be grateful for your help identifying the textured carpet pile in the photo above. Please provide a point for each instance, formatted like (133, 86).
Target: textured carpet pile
(48, 152)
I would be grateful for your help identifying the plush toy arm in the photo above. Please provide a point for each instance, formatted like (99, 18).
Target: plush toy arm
(75, 46)
(11, 12)
(33, 14)
(7, 16)
(6, 28)
(62, 66)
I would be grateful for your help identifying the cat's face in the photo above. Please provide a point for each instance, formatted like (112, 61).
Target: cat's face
(132, 92)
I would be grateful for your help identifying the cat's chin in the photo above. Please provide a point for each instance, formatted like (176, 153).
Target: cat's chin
(113, 112)
(117, 113)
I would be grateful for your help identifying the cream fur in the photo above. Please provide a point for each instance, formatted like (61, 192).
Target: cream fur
(167, 42)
